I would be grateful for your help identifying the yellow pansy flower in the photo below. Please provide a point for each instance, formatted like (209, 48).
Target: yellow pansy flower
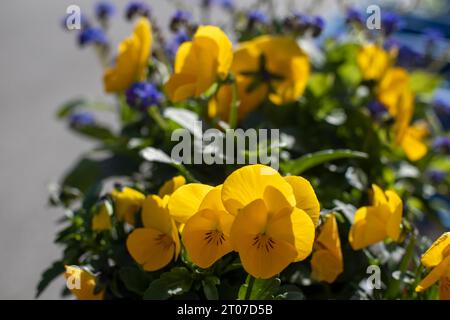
(438, 258)
(101, 220)
(199, 63)
(132, 59)
(82, 284)
(127, 202)
(375, 223)
(271, 67)
(171, 185)
(372, 61)
(157, 243)
(269, 231)
(327, 262)
(206, 235)
(394, 91)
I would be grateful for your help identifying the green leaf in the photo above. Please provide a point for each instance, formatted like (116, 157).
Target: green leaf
(56, 269)
(210, 287)
(320, 83)
(134, 279)
(89, 170)
(74, 104)
(175, 282)
(350, 74)
(94, 131)
(424, 83)
(262, 289)
(300, 165)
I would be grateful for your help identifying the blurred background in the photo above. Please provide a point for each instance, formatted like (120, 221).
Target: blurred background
(41, 67)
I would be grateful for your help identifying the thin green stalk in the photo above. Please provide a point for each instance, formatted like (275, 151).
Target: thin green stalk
(154, 113)
(251, 282)
(394, 286)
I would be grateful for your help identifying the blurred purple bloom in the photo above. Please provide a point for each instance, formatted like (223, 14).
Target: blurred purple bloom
(142, 95)
(81, 118)
(377, 109)
(390, 22)
(182, 15)
(354, 15)
(442, 144)
(257, 16)
(104, 10)
(92, 36)
(137, 8)
(436, 176)
(317, 25)
(227, 4)
(175, 42)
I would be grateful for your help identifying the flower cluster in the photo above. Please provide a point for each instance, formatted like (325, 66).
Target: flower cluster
(360, 128)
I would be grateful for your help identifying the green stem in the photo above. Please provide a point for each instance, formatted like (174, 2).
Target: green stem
(394, 286)
(232, 121)
(248, 293)
(186, 173)
(154, 113)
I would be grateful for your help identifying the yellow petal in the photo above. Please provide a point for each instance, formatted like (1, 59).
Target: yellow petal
(325, 266)
(444, 288)
(213, 200)
(305, 197)
(155, 214)
(412, 143)
(440, 270)
(82, 283)
(206, 236)
(249, 183)
(372, 61)
(224, 46)
(102, 220)
(131, 62)
(186, 200)
(151, 248)
(295, 227)
(180, 87)
(437, 252)
(275, 201)
(127, 202)
(395, 220)
(328, 238)
(371, 228)
(171, 185)
(394, 90)
(379, 197)
(261, 255)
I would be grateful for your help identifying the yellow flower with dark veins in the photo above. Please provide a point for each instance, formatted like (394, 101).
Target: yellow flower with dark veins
(101, 220)
(270, 229)
(156, 244)
(199, 63)
(82, 284)
(372, 61)
(438, 258)
(375, 223)
(327, 262)
(132, 59)
(127, 203)
(206, 235)
(272, 67)
(171, 185)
